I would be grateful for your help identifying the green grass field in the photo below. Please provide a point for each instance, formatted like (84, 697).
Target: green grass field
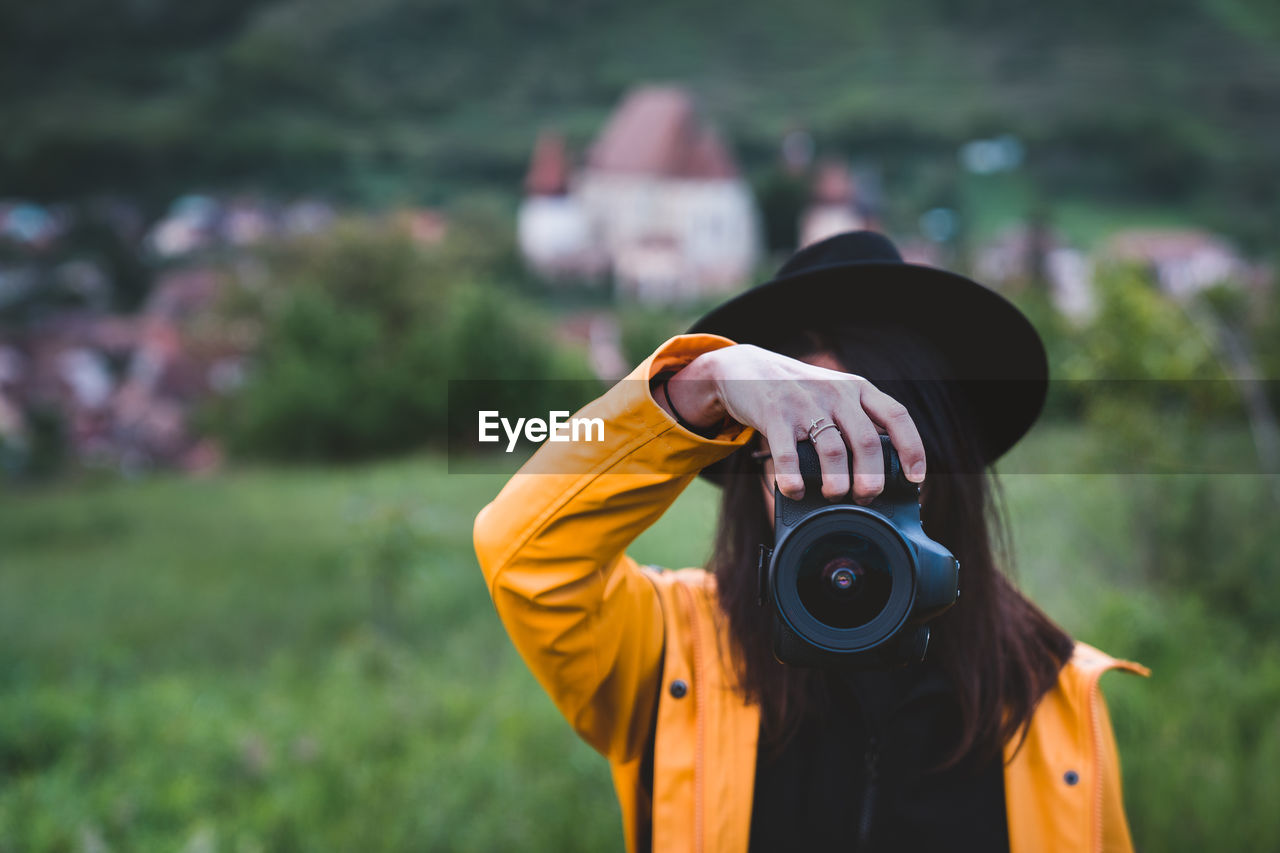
(307, 659)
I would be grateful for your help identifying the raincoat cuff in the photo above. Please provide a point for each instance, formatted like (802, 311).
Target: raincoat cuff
(669, 359)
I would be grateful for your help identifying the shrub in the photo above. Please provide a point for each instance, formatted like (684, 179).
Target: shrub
(360, 333)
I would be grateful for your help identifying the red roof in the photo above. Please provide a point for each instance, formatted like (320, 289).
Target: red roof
(1164, 244)
(657, 131)
(549, 168)
(833, 184)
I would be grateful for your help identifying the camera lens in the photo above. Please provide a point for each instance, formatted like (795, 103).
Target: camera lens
(844, 580)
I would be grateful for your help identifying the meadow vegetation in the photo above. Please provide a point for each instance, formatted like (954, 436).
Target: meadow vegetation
(308, 659)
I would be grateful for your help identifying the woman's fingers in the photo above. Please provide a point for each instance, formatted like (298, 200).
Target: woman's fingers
(782, 388)
(896, 421)
(833, 459)
(868, 457)
(786, 464)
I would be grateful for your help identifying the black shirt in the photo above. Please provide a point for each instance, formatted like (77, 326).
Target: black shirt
(857, 776)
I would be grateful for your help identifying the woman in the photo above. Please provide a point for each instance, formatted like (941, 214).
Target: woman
(998, 741)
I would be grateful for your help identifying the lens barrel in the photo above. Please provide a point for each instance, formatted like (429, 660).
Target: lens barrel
(843, 579)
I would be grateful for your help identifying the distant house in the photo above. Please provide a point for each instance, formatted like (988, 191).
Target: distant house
(199, 222)
(28, 224)
(125, 387)
(1010, 261)
(834, 206)
(1185, 260)
(659, 203)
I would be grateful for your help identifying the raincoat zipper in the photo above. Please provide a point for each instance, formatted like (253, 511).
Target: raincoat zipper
(1096, 775)
(699, 778)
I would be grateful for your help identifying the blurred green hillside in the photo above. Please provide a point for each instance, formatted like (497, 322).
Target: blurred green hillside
(1173, 102)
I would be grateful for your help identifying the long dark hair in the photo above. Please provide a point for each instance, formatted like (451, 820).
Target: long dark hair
(999, 652)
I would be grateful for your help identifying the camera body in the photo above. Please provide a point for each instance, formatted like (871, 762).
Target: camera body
(854, 586)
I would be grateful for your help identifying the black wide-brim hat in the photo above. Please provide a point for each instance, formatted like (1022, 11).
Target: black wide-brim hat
(986, 343)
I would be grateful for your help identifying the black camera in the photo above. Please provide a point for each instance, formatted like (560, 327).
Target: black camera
(851, 585)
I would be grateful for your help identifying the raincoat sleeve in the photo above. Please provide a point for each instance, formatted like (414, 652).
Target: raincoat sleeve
(551, 545)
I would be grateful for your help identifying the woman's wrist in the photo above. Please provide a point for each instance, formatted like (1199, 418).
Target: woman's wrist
(691, 395)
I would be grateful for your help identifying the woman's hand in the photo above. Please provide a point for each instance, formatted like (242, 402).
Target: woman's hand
(782, 398)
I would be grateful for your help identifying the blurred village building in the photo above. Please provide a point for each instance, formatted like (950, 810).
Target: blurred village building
(1184, 261)
(837, 204)
(125, 387)
(1028, 255)
(125, 390)
(121, 390)
(659, 204)
(197, 222)
(28, 224)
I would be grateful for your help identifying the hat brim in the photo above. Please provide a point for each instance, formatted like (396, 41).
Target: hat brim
(989, 346)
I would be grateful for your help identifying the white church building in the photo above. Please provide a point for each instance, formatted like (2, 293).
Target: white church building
(659, 205)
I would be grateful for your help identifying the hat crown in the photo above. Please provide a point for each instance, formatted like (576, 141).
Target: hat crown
(850, 247)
